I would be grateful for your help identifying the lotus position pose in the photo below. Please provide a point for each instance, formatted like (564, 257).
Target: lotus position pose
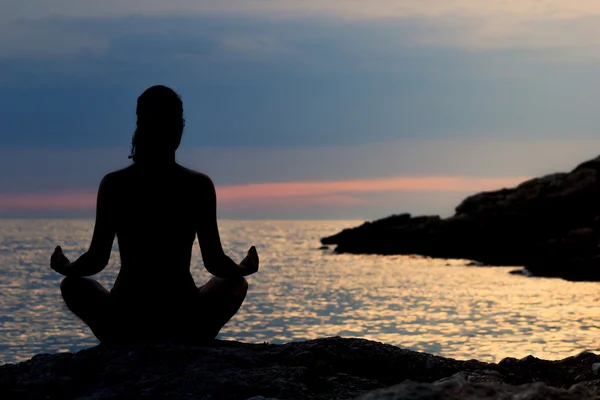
(156, 208)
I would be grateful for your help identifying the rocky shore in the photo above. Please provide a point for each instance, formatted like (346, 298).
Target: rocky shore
(331, 368)
(549, 225)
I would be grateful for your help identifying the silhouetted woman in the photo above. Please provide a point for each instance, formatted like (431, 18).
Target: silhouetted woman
(156, 208)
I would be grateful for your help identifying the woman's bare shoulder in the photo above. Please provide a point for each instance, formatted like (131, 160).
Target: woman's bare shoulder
(197, 177)
(115, 176)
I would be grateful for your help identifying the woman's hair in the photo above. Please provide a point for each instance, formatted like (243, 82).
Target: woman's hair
(159, 125)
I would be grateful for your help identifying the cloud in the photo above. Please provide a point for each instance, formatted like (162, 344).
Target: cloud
(241, 203)
(72, 201)
(56, 169)
(366, 181)
(255, 81)
(344, 8)
(43, 28)
(282, 83)
(390, 184)
(281, 195)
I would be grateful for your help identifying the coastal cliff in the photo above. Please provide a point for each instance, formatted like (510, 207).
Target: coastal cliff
(550, 225)
(330, 368)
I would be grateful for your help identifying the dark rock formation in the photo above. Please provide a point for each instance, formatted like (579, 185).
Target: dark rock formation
(462, 390)
(332, 368)
(550, 225)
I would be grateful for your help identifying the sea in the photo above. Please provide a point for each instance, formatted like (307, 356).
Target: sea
(443, 307)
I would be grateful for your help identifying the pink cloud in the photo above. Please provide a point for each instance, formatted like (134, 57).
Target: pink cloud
(286, 194)
(286, 203)
(377, 185)
(48, 201)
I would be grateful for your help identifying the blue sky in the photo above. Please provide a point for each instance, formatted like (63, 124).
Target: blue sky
(284, 91)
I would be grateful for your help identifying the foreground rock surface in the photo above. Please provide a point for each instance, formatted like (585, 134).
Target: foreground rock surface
(331, 368)
(550, 225)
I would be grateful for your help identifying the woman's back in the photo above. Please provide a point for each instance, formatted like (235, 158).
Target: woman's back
(157, 210)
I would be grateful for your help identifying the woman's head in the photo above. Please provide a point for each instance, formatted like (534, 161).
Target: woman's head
(159, 125)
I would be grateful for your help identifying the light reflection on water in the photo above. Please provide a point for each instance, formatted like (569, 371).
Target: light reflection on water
(304, 293)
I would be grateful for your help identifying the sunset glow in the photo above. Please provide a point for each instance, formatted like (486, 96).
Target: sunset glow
(341, 193)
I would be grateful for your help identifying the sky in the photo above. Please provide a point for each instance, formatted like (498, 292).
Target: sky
(329, 109)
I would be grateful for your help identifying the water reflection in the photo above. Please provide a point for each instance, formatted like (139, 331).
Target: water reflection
(304, 293)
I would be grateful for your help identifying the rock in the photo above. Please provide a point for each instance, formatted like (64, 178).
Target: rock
(548, 225)
(490, 376)
(591, 385)
(517, 271)
(580, 240)
(331, 368)
(596, 368)
(460, 390)
(261, 398)
(475, 264)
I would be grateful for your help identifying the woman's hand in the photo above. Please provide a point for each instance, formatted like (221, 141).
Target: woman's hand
(59, 262)
(249, 264)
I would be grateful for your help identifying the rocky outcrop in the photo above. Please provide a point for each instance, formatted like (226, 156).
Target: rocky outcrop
(332, 368)
(550, 225)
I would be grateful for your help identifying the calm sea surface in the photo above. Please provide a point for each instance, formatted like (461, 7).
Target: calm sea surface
(438, 306)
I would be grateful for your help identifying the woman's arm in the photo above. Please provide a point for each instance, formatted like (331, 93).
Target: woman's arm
(215, 260)
(98, 254)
